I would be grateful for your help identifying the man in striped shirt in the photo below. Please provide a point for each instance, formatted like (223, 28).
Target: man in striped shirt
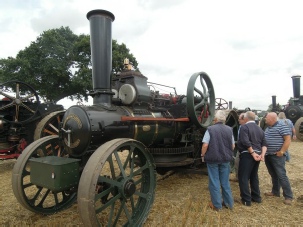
(278, 139)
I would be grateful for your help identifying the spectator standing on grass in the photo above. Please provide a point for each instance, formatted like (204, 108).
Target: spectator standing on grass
(278, 139)
(236, 165)
(252, 148)
(292, 129)
(217, 151)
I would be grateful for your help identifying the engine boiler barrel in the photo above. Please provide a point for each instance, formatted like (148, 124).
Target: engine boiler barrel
(101, 54)
(86, 127)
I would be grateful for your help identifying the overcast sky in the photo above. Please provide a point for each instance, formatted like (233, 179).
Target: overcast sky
(250, 49)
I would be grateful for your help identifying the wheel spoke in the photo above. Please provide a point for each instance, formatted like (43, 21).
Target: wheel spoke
(127, 160)
(109, 202)
(50, 132)
(56, 198)
(141, 169)
(111, 214)
(119, 212)
(36, 195)
(202, 103)
(44, 197)
(109, 181)
(7, 106)
(103, 193)
(17, 113)
(128, 215)
(119, 164)
(140, 194)
(53, 127)
(17, 91)
(112, 168)
(26, 107)
(198, 91)
(132, 203)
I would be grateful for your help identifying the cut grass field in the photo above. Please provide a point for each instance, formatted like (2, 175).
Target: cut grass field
(181, 200)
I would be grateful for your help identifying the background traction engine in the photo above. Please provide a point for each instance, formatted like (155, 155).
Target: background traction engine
(293, 110)
(23, 118)
(106, 154)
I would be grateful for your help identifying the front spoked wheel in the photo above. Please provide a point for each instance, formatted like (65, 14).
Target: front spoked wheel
(34, 197)
(117, 186)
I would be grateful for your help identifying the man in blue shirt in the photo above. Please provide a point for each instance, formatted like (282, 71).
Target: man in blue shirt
(278, 139)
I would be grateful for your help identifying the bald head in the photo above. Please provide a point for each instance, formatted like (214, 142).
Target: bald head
(271, 118)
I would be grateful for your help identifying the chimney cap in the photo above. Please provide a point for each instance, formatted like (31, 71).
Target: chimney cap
(296, 76)
(100, 12)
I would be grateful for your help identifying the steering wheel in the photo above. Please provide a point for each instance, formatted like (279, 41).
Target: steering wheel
(20, 101)
(221, 104)
(200, 100)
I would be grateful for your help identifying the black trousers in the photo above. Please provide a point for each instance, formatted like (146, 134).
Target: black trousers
(248, 178)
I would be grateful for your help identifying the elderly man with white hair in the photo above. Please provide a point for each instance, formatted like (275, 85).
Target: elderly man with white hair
(217, 151)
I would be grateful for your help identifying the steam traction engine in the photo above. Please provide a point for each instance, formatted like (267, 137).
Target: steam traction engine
(293, 110)
(106, 154)
(23, 118)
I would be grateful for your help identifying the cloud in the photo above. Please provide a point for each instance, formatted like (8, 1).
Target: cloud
(249, 49)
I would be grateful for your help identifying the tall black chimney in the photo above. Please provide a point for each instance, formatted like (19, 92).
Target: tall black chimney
(296, 86)
(274, 103)
(230, 105)
(101, 54)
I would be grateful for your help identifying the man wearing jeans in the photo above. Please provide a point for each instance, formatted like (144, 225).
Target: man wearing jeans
(217, 150)
(278, 140)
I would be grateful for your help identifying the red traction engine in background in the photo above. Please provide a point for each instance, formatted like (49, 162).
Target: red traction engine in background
(23, 118)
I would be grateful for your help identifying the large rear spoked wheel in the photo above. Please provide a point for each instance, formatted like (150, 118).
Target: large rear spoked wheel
(117, 185)
(33, 197)
(201, 100)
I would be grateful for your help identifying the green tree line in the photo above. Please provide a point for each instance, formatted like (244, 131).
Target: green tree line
(58, 64)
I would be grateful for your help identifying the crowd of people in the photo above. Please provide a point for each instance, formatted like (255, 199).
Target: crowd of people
(253, 146)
